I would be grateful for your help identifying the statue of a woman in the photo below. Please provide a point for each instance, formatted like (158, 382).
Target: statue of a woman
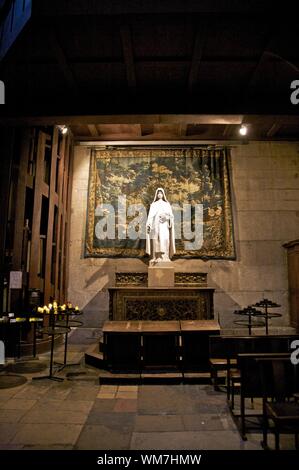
(160, 238)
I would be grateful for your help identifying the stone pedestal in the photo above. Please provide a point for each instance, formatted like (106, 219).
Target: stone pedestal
(160, 276)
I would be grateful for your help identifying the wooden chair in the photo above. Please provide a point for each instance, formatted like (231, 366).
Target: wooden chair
(249, 382)
(224, 349)
(279, 379)
(234, 385)
(219, 365)
(221, 350)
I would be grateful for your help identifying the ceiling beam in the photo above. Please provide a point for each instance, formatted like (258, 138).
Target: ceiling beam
(62, 61)
(200, 118)
(173, 60)
(146, 119)
(196, 56)
(273, 129)
(254, 74)
(227, 130)
(182, 129)
(126, 39)
(147, 129)
(85, 142)
(93, 130)
(254, 8)
(288, 61)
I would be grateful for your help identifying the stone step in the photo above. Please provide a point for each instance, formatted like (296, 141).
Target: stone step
(149, 377)
(94, 359)
(197, 377)
(115, 378)
(161, 377)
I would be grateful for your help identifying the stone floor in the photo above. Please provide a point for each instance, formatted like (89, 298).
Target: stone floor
(81, 414)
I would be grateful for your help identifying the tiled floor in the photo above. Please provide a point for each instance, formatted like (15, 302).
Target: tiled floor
(81, 414)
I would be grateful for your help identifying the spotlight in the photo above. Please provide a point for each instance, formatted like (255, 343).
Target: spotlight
(63, 129)
(243, 129)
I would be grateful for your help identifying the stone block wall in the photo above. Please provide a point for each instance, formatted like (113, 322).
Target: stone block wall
(265, 192)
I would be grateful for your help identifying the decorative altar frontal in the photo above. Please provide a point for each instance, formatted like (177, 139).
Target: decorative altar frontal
(128, 178)
(176, 303)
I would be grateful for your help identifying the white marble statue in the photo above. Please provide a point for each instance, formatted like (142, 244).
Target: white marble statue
(160, 238)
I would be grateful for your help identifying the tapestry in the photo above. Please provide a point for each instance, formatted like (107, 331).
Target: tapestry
(122, 185)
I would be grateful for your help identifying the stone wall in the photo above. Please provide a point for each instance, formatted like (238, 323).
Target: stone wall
(265, 191)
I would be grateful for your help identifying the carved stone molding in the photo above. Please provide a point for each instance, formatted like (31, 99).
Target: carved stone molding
(131, 279)
(181, 279)
(190, 279)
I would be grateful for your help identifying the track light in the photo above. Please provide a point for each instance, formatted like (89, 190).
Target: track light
(243, 129)
(63, 129)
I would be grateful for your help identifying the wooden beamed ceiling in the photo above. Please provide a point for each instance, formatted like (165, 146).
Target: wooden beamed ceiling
(258, 129)
(168, 127)
(177, 69)
(188, 57)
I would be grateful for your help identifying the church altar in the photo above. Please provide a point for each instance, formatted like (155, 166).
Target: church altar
(161, 295)
(138, 345)
(160, 318)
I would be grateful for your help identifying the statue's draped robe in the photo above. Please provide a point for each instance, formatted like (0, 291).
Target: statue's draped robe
(161, 238)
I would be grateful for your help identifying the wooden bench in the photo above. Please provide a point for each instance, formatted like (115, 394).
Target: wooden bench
(224, 349)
